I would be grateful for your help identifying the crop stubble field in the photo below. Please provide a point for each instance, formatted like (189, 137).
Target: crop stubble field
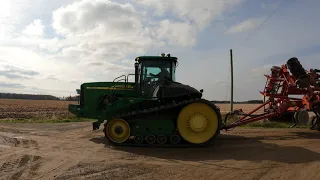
(41, 109)
(31, 109)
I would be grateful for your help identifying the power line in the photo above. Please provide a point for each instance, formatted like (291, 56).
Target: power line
(257, 29)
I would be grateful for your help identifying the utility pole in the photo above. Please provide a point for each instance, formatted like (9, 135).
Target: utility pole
(231, 68)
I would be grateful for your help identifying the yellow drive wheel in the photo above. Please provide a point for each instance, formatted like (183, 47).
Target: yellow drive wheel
(197, 123)
(118, 130)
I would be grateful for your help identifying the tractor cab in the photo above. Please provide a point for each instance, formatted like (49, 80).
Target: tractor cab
(151, 71)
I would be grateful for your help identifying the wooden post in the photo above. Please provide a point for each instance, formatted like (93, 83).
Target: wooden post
(231, 68)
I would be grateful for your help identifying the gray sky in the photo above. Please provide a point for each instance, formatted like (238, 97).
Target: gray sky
(51, 47)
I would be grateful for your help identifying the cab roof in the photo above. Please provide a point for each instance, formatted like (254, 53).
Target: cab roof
(160, 58)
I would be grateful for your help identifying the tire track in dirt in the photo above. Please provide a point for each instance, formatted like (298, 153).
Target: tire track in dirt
(97, 170)
(18, 142)
(19, 167)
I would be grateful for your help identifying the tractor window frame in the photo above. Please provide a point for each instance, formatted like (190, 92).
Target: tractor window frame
(145, 64)
(173, 71)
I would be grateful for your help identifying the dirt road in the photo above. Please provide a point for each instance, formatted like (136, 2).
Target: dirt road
(73, 151)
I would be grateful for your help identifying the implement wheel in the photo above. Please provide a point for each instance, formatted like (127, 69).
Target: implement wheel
(118, 130)
(198, 123)
(314, 123)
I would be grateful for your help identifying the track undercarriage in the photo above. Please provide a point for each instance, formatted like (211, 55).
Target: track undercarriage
(165, 125)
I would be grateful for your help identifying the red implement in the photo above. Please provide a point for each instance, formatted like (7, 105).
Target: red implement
(279, 88)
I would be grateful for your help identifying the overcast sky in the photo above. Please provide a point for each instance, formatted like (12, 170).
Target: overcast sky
(51, 47)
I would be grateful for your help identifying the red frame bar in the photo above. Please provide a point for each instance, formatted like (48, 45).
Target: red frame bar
(241, 121)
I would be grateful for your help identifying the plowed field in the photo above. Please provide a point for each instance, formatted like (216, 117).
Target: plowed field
(27, 109)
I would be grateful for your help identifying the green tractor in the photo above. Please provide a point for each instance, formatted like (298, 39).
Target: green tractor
(154, 110)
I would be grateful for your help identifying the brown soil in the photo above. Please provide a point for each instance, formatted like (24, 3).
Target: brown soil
(73, 151)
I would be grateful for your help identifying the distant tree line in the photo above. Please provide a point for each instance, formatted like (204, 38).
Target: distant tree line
(75, 98)
(36, 97)
(71, 98)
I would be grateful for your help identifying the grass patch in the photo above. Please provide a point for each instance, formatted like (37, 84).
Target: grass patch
(271, 125)
(263, 124)
(48, 119)
(45, 120)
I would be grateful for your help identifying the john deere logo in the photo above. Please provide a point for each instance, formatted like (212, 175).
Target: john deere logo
(122, 86)
(116, 87)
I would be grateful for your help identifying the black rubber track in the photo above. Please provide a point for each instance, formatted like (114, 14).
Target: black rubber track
(183, 143)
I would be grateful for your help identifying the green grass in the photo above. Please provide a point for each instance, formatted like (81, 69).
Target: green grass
(271, 125)
(45, 120)
(48, 119)
(264, 124)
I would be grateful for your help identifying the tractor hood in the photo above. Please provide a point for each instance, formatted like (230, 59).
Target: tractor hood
(176, 90)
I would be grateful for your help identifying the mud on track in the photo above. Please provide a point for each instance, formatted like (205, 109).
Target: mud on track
(73, 151)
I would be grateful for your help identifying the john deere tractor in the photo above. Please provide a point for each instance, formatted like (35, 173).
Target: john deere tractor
(154, 110)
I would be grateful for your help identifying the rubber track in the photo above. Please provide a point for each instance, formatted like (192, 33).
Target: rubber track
(182, 144)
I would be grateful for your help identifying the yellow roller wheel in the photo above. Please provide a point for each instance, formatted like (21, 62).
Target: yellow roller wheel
(118, 130)
(197, 123)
